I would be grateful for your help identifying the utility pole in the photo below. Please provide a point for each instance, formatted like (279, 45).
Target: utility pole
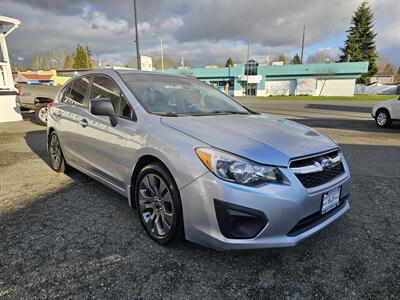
(162, 51)
(139, 64)
(302, 44)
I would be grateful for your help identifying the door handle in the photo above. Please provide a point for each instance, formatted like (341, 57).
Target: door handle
(83, 123)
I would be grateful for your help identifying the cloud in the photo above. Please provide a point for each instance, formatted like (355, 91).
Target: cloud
(98, 20)
(171, 23)
(202, 31)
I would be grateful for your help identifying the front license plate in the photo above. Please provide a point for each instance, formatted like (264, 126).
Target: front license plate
(330, 200)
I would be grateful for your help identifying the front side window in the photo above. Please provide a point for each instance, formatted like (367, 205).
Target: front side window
(160, 94)
(77, 91)
(105, 87)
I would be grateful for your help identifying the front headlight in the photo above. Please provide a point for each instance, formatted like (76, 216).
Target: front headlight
(236, 169)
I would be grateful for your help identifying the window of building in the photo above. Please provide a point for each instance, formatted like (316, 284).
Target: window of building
(250, 68)
(104, 87)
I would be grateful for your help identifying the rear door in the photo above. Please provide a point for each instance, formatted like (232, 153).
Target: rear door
(102, 145)
(69, 114)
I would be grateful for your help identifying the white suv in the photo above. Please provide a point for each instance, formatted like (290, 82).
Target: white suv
(386, 111)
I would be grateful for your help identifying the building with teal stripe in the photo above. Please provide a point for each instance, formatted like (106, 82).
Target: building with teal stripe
(328, 79)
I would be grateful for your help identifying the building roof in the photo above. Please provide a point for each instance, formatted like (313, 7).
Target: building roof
(41, 77)
(346, 69)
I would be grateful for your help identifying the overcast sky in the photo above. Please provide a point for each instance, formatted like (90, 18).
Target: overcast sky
(201, 31)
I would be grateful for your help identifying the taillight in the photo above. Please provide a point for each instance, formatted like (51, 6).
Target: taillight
(19, 90)
(50, 105)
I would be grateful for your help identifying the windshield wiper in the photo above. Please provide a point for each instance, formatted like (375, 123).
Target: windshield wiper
(231, 112)
(172, 114)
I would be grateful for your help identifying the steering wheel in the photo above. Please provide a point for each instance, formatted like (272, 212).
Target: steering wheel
(197, 105)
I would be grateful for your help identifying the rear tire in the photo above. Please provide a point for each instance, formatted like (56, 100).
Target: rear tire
(57, 161)
(382, 118)
(159, 205)
(41, 113)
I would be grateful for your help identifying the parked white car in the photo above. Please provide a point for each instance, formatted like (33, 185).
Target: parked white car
(386, 111)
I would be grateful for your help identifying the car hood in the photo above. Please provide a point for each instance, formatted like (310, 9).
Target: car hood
(261, 138)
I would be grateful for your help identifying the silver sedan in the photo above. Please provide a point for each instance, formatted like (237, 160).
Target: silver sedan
(195, 163)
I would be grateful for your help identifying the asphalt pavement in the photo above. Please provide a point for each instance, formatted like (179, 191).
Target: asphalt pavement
(67, 236)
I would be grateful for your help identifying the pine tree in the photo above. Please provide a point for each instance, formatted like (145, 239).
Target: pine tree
(82, 58)
(89, 62)
(281, 57)
(229, 62)
(360, 42)
(69, 61)
(296, 60)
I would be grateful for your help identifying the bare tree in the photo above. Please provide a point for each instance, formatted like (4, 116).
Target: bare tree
(132, 63)
(282, 57)
(385, 66)
(52, 59)
(322, 56)
(57, 57)
(168, 63)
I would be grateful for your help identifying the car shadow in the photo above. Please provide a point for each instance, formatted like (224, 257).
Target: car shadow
(37, 142)
(30, 116)
(346, 124)
(335, 107)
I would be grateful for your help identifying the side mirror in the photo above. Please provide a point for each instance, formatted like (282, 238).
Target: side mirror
(103, 107)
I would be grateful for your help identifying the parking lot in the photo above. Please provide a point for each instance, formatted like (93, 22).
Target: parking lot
(69, 236)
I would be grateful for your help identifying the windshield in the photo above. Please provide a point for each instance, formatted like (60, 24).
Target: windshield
(174, 96)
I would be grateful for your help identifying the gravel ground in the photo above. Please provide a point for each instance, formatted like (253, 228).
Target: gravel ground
(67, 236)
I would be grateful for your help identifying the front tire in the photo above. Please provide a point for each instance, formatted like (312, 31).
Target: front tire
(159, 205)
(57, 161)
(41, 113)
(382, 118)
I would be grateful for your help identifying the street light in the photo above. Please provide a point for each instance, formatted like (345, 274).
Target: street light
(162, 55)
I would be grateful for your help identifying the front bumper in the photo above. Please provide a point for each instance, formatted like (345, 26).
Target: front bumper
(291, 211)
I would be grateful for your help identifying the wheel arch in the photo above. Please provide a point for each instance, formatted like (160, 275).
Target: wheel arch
(140, 164)
(42, 100)
(382, 109)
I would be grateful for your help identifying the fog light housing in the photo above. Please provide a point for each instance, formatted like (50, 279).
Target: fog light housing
(238, 222)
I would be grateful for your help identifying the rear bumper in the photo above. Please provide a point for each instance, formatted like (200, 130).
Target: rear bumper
(292, 212)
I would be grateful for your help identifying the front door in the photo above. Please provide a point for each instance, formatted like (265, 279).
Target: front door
(251, 89)
(102, 145)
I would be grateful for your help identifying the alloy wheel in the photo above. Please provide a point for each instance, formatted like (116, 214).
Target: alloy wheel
(43, 113)
(55, 152)
(381, 119)
(156, 205)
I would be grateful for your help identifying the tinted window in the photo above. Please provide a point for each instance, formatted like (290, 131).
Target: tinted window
(77, 91)
(105, 87)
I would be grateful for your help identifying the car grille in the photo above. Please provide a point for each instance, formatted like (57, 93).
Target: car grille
(315, 219)
(316, 178)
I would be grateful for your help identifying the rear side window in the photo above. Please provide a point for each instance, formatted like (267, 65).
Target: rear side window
(63, 93)
(105, 87)
(77, 91)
